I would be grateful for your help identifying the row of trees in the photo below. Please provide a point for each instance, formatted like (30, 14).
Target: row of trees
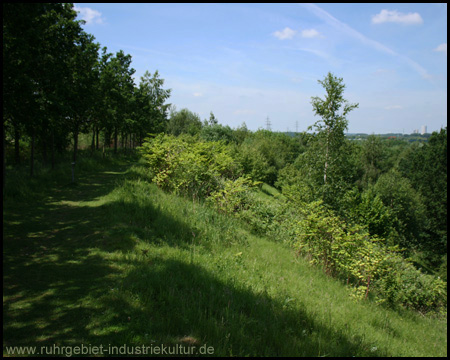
(57, 84)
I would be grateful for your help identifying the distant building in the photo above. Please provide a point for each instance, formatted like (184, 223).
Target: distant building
(423, 130)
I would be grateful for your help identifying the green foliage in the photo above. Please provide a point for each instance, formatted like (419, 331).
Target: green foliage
(217, 132)
(231, 197)
(350, 251)
(264, 153)
(188, 167)
(372, 212)
(406, 206)
(371, 159)
(400, 283)
(425, 166)
(330, 129)
(347, 250)
(183, 122)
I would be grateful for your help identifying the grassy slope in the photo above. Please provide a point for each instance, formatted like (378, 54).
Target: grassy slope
(113, 260)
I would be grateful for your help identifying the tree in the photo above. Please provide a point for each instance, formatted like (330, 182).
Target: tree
(85, 77)
(183, 122)
(151, 110)
(117, 87)
(425, 166)
(39, 44)
(333, 123)
(327, 166)
(371, 158)
(406, 206)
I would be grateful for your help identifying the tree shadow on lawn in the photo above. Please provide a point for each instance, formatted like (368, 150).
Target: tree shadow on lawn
(183, 303)
(51, 276)
(56, 266)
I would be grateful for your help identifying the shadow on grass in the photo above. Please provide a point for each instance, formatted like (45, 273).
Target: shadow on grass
(181, 299)
(59, 290)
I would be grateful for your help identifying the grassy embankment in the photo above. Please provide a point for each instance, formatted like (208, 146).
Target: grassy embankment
(112, 260)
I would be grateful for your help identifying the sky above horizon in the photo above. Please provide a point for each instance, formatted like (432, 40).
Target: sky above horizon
(247, 62)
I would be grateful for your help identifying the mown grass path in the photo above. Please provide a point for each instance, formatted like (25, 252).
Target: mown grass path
(50, 275)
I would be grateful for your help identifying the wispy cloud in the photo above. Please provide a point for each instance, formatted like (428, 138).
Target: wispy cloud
(442, 48)
(394, 107)
(310, 33)
(89, 15)
(349, 31)
(287, 33)
(394, 16)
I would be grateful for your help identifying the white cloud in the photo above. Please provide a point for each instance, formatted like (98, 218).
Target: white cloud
(89, 15)
(287, 33)
(442, 48)
(397, 17)
(310, 33)
(197, 94)
(394, 107)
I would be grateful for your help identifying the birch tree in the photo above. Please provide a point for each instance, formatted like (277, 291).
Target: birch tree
(332, 110)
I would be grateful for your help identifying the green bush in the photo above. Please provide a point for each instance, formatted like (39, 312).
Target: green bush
(187, 166)
(367, 263)
(400, 283)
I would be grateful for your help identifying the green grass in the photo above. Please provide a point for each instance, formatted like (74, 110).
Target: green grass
(114, 260)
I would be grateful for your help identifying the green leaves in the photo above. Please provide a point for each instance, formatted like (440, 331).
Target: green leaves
(189, 167)
(366, 261)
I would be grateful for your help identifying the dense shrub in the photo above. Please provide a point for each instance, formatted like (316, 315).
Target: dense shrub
(366, 262)
(187, 166)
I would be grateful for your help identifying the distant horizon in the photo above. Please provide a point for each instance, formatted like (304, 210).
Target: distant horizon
(247, 62)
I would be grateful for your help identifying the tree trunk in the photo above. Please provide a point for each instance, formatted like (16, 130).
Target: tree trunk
(44, 151)
(16, 146)
(3, 157)
(32, 155)
(53, 149)
(326, 158)
(75, 144)
(93, 140)
(96, 145)
(115, 140)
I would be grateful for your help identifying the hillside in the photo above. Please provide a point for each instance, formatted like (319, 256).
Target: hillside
(113, 260)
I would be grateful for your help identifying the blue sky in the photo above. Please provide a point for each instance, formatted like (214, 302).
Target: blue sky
(247, 62)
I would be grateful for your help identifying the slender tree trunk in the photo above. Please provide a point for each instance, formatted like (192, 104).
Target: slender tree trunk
(16, 146)
(44, 151)
(115, 140)
(75, 144)
(93, 140)
(96, 145)
(53, 149)
(32, 155)
(3, 157)
(326, 167)
(326, 158)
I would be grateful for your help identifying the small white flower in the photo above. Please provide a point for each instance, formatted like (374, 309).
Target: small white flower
(374, 349)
